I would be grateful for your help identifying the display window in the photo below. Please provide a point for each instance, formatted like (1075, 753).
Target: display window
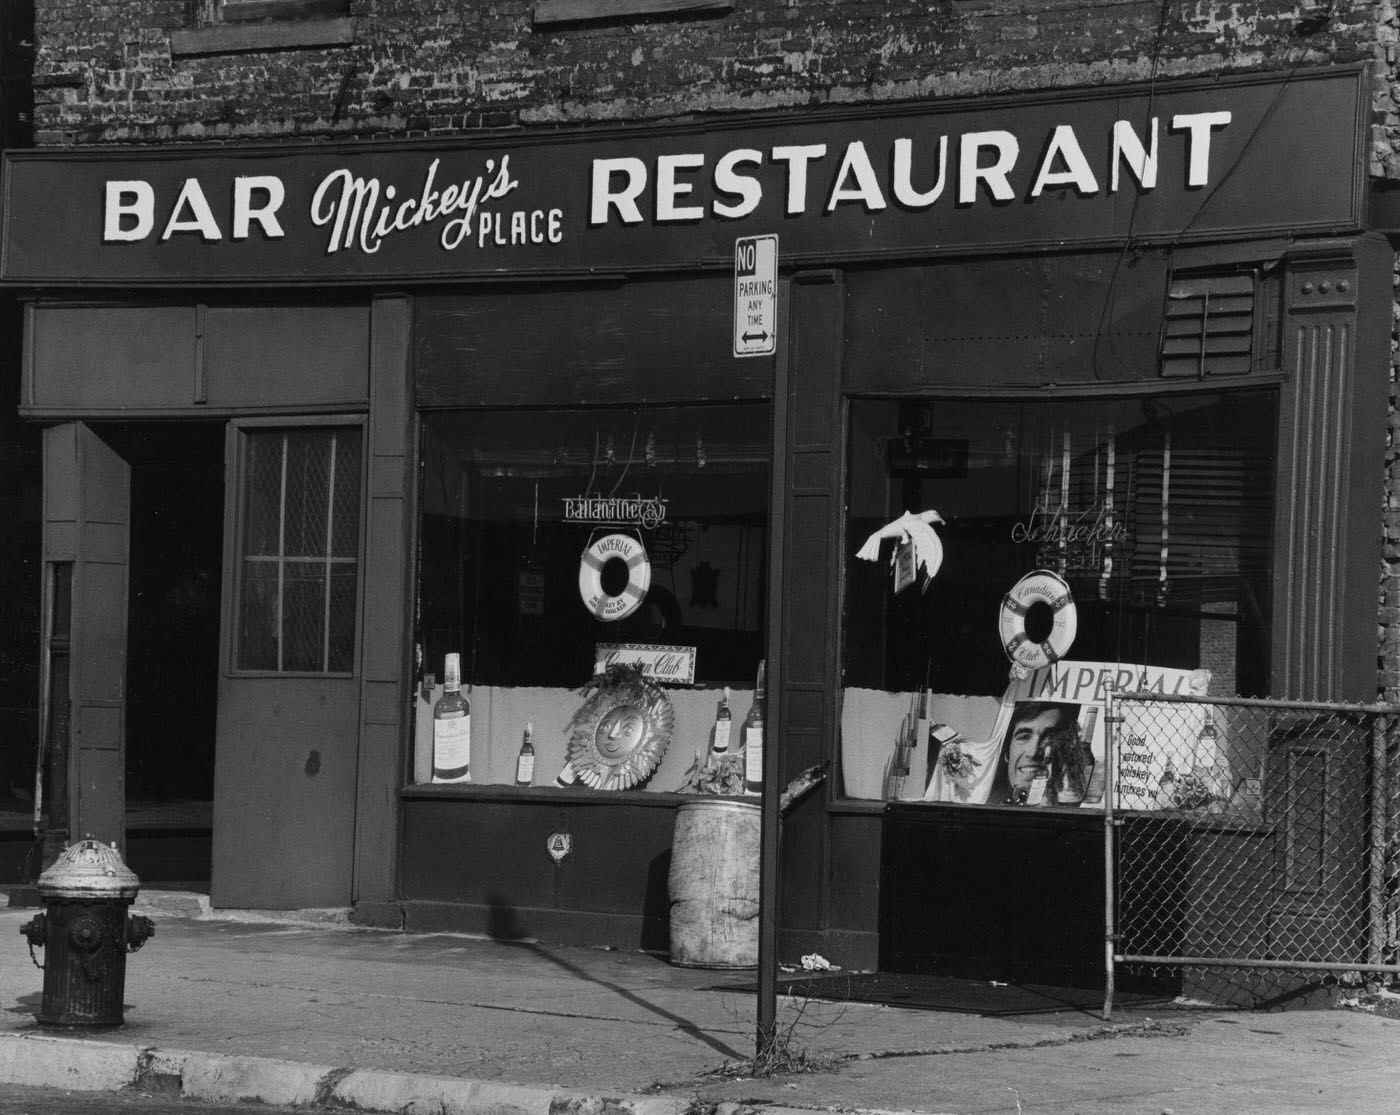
(595, 576)
(1011, 559)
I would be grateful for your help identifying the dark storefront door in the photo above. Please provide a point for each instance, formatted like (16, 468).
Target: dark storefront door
(288, 707)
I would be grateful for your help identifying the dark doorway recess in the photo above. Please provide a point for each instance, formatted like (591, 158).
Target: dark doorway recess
(177, 500)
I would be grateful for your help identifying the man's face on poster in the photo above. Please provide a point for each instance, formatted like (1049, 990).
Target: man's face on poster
(1021, 748)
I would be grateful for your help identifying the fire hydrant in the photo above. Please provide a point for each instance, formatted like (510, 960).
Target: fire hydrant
(87, 931)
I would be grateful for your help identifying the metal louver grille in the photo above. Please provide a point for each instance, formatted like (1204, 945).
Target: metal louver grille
(1209, 329)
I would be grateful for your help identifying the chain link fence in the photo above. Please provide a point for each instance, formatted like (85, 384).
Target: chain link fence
(1252, 846)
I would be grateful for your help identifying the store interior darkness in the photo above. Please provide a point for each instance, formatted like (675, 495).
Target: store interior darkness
(1181, 485)
(494, 491)
(177, 497)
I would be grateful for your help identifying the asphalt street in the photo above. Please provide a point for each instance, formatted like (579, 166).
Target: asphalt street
(15, 1100)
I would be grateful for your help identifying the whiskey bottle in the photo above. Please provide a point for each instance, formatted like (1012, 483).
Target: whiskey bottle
(899, 763)
(1088, 723)
(1167, 788)
(525, 761)
(423, 729)
(921, 723)
(1093, 792)
(724, 719)
(566, 775)
(1211, 763)
(1071, 782)
(753, 739)
(1040, 781)
(452, 727)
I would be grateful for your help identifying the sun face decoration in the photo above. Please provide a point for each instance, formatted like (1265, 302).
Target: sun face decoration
(617, 738)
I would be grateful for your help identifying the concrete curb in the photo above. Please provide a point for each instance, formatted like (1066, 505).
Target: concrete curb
(39, 1060)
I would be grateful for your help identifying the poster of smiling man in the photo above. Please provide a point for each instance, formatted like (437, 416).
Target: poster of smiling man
(1046, 745)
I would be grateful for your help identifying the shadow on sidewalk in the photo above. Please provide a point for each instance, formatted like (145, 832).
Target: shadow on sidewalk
(502, 916)
(988, 998)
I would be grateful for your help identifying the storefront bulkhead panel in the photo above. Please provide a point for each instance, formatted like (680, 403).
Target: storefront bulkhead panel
(104, 359)
(635, 341)
(1007, 322)
(485, 866)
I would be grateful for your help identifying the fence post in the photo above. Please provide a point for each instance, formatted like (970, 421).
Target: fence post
(1380, 807)
(1110, 733)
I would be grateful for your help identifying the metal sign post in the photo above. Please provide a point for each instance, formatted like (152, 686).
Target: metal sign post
(774, 717)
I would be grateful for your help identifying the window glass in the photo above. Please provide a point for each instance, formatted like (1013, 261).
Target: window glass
(233, 11)
(1081, 536)
(299, 561)
(548, 536)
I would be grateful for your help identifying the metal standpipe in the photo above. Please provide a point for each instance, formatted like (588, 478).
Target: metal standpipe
(86, 932)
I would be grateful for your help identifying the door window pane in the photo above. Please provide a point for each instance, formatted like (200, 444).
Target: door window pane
(300, 563)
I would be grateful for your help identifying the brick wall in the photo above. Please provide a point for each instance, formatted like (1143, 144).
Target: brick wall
(106, 72)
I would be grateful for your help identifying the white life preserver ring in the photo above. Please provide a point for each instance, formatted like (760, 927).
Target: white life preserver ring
(1039, 587)
(608, 607)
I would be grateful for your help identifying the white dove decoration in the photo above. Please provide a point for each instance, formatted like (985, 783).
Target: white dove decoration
(913, 529)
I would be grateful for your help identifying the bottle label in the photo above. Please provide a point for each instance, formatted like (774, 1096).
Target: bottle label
(452, 748)
(753, 755)
(525, 770)
(721, 737)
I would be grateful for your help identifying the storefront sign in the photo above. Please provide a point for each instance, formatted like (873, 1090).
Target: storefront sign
(634, 510)
(531, 589)
(755, 295)
(1177, 160)
(664, 664)
(1091, 527)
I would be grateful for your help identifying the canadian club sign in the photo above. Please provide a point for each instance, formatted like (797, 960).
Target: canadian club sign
(1179, 160)
(665, 664)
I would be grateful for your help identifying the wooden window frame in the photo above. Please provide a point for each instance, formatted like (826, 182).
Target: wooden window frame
(237, 11)
(551, 12)
(240, 26)
(237, 519)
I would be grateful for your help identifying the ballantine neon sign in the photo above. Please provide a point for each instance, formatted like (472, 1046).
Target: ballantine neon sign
(619, 510)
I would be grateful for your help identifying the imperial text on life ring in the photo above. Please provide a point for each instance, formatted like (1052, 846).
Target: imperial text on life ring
(1039, 587)
(606, 606)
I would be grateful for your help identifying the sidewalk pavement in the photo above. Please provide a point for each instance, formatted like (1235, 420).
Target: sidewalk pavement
(305, 1009)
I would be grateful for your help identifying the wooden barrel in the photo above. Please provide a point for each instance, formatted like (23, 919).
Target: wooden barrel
(714, 884)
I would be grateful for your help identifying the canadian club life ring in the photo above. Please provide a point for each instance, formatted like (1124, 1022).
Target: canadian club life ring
(1039, 587)
(606, 606)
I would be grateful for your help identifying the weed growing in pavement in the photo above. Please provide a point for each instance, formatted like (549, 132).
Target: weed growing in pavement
(786, 1055)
